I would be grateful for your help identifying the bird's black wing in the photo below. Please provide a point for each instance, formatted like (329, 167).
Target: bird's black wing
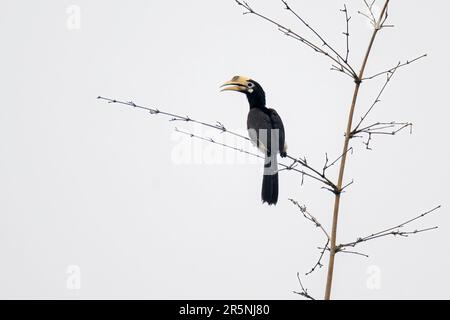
(259, 127)
(277, 123)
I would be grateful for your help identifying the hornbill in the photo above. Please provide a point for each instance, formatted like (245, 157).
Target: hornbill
(266, 131)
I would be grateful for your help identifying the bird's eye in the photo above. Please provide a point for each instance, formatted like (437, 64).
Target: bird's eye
(250, 85)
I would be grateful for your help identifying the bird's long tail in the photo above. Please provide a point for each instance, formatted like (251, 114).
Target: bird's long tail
(269, 191)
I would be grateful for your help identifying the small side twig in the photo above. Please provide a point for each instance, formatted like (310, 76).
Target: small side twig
(370, 14)
(310, 217)
(174, 117)
(285, 166)
(319, 261)
(354, 252)
(347, 32)
(324, 42)
(321, 175)
(382, 128)
(334, 56)
(314, 220)
(376, 101)
(211, 140)
(399, 65)
(304, 291)
(392, 231)
(326, 166)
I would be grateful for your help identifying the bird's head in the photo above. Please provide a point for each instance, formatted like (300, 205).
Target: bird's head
(254, 92)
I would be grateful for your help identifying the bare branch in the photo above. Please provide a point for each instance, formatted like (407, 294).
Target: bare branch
(367, 16)
(211, 140)
(376, 101)
(377, 128)
(174, 117)
(319, 261)
(354, 252)
(399, 65)
(304, 291)
(344, 66)
(324, 43)
(285, 166)
(380, 128)
(347, 185)
(392, 231)
(347, 32)
(314, 220)
(310, 217)
(383, 22)
(327, 166)
(370, 15)
(322, 174)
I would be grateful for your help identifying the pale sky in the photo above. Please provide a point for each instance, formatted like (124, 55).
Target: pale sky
(104, 201)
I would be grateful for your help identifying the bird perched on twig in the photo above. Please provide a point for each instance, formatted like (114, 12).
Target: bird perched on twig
(266, 131)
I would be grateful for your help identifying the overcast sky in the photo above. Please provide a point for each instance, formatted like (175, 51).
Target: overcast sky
(104, 201)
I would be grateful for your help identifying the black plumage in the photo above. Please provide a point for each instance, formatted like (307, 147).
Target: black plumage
(266, 131)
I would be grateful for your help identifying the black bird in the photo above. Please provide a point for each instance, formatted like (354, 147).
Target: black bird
(266, 131)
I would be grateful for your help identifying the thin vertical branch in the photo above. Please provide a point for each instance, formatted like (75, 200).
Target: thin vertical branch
(378, 26)
(347, 32)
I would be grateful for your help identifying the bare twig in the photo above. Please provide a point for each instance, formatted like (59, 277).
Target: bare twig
(304, 291)
(376, 101)
(389, 74)
(322, 174)
(285, 166)
(382, 128)
(392, 231)
(338, 60)
(399, 65)
(310, 217)
(211, 140)
(347, 32)
(354, 252)
(319, 261)
(326, 166)
(174, 117)
(314, 220)
(370, 15)
(347, 185)
(324, 43)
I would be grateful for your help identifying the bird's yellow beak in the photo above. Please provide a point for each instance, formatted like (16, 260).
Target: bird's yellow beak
(238, 83)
